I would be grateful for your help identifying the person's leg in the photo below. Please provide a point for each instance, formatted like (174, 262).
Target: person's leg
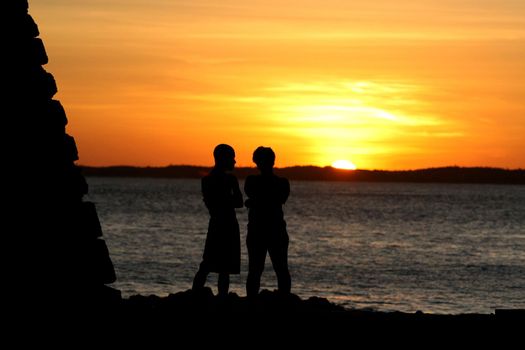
(223, 284)
(278, 250)
(200, 277)
(256, 258)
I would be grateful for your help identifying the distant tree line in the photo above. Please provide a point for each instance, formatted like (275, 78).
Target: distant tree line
(312, 173)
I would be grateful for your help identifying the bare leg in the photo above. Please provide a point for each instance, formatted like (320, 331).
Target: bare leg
(278, 251)
(200, 277)
(224, 284)
(256, 258)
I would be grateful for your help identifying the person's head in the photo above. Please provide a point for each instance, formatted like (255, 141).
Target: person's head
(224, 156)
(264, 157)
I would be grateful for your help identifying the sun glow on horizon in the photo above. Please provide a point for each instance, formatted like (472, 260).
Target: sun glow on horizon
(370, 119)
(391, 86)
(344, 164)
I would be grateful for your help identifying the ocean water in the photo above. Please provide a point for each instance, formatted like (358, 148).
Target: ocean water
(438, 248)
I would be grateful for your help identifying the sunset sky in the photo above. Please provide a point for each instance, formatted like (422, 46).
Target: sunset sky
(384, 84)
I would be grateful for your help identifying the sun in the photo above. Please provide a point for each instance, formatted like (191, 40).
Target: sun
(344, 164)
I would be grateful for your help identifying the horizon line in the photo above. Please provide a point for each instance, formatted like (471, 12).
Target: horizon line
(304, 166)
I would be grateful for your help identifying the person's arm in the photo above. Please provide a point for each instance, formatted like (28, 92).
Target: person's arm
(237, 194)
(285, 190)
(206, 193)
(249, 191)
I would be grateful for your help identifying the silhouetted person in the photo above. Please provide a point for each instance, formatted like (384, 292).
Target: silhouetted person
(221, 194)
(266, 193)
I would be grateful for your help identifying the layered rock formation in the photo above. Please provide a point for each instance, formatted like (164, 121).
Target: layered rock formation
(54, 240)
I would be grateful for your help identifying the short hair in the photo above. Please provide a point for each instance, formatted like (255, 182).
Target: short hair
(263, 155)
(223, 151)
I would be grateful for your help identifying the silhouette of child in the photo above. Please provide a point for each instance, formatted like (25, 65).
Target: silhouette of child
(221, 194)
(266, 193)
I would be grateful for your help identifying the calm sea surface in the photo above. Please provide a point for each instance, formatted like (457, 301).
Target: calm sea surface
(437, 248)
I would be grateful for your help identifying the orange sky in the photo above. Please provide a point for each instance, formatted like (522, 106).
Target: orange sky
(385, 84)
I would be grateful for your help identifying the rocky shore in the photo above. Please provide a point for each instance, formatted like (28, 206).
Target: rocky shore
(275, 305)
(273, 318)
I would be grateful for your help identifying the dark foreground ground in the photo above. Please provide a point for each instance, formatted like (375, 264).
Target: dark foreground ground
(277, 321)
(272, 310)
(271, 319)
(274, 319)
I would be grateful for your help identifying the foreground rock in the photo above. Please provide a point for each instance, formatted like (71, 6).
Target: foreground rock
(204, 304)
(52, 237)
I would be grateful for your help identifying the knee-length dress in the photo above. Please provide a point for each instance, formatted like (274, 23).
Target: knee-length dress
(222, 250)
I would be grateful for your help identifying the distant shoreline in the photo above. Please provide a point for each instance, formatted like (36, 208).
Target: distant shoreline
(452, 174)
